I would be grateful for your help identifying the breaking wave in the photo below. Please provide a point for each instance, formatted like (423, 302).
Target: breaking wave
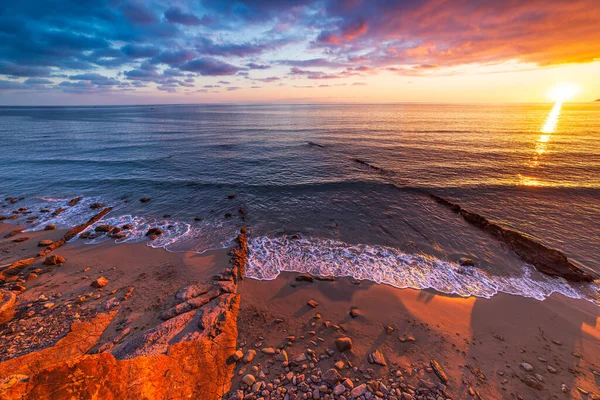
(268, 257)
(198, 236)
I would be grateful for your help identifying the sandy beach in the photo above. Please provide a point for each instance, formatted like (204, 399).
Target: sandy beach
(404, 343)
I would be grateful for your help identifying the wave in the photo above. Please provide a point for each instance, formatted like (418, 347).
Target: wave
(177, 235)
(268, 257)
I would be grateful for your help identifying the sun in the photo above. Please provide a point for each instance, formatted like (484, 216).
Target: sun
(562, 92)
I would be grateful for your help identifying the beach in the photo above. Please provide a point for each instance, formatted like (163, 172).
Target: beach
(299, 252)
(503, 347)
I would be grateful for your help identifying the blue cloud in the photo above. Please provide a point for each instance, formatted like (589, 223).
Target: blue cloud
(210, 66)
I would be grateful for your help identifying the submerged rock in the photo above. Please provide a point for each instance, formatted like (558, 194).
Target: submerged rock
(154, 232)
(547, 260)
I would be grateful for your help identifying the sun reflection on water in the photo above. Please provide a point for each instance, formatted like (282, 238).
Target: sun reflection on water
(541, 145)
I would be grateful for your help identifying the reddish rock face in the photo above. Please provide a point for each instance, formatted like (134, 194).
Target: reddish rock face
(187, 356)
(194, 369)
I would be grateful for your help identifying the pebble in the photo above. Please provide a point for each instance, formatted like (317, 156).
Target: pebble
(313, 303)
(527, 367)
(249, 356)
(249, 379)
(268, 351)
(99, 283)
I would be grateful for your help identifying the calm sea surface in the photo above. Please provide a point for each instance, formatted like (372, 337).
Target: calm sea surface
(530, 167)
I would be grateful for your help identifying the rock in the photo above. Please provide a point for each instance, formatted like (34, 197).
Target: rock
(389, 330)
(231, 196)
(74, 201)
(331, 376)
(304, 278)
(527, 367)
(115, 232)
(248, 379)
(103, 228)
(249, 356)
(532, 382)
(7, 303)
(339, 389)
(54, 260)
(564, 388)
(21, 239)
(99, 283)
(547, 260)
(95, 206)
(268, 351)
(228, 215)
(44, 243)
(439, 371)
(358, 391)
(466, 262)
(145, 199)
(551, 369)
(498, 336)
(339, 365)
(312, 303)
(48, 305)
(50, 227)
(283, 357)
(376, 358)
(238, 355)
(154, 232)
(343, 344)
(355, 312)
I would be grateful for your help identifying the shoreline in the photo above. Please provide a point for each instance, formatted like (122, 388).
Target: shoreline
(463, 335)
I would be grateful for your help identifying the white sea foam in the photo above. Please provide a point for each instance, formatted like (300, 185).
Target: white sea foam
(177, 235)
(270, 256)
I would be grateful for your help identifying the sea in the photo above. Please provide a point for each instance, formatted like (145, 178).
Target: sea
(327, 189)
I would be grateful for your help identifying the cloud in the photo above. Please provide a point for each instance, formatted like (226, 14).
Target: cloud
(136, 50)
(174, 57)
(148, 43)
(313, 74)
(138, 13)
(268, 79)
(10, 69)
(96, 79)
(176, 15)
(210, 66)
(252, 65)
(38, 81)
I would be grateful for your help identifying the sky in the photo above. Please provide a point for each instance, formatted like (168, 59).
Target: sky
(96, 52)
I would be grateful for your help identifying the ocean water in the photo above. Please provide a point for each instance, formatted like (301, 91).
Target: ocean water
(534, 167)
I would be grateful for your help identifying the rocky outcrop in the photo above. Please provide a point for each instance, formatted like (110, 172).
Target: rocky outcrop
(74, 232)
(7, 303)
(186, 356)
(545, 259)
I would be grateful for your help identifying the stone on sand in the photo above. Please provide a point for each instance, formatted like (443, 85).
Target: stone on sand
(343, 344)
(99, 283)
(54, 260)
